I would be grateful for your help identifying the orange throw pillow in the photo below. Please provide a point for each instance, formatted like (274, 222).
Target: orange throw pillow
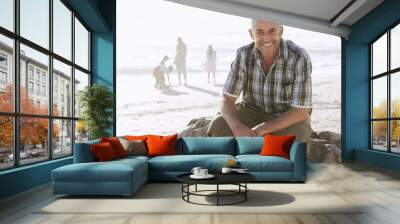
(136, 138)
(161, 145)
(103, 152)
(116, 145)
(277, 145)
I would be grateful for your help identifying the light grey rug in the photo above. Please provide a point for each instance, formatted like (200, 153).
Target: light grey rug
(166, 198)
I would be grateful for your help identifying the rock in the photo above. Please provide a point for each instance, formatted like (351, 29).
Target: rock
(314, 134)
(325, 147)
(322, 150)
(197, 127)
(332, 137)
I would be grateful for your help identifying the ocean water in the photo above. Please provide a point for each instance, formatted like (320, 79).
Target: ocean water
(148, 31)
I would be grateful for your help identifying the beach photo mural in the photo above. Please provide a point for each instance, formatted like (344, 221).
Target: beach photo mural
(173, 62)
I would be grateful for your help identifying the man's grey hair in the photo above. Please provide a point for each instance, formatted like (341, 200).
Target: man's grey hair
(253, 23)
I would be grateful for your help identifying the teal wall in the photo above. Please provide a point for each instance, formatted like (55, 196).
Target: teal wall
(99, 16)
(24, 178)
(355, 86)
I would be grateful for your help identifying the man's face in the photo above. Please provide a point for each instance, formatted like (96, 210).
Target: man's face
(267, 36)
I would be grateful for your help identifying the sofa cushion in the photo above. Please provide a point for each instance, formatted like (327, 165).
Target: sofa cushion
(103, 151)
(277, 145)
(206, 145)
(257, 163)
(249, 145)
(161, 145)
(111, 171)
(185, 163)
(116, 145)
(134, 147)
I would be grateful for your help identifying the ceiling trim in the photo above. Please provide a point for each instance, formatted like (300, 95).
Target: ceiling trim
(284, 18)
(346, 12)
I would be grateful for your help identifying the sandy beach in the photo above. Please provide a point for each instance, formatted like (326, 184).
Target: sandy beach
(143, 109)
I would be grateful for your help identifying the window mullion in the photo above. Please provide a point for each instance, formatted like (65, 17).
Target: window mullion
(50, 81)
(73, 82)
(389, 106)
(16, 84)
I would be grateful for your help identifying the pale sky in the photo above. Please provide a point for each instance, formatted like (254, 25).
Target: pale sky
(152, 27)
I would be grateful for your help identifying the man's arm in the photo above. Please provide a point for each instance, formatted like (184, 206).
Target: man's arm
(230, 114)
(293, 116)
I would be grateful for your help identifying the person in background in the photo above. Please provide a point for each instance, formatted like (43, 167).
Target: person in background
(211, 63)
(180, 59)
(159, 71)
(273, 76)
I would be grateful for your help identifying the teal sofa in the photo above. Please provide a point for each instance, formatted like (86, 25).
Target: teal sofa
(125, 176)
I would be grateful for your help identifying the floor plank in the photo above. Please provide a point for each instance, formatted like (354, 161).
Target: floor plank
(376, 189)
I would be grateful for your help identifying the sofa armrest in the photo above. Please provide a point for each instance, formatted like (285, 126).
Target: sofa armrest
(298, 155)
(83, 152)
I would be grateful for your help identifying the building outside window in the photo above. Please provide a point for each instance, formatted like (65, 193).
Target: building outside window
(30, 72)
(43, 90)
(3, 78)
(37, 75)
(43, 78)
(3, 72)
(30, 87)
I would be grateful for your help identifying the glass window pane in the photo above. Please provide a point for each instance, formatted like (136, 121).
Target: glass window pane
(7, 14)
(33, 139)
(379, 97)
(81, 45)
(395, 136)
(34, 97)
(62, 29)
(395, 94)
(395, 47)
(379, 135)
(81, 131)
(6, 142)
(62, 138)
(62, 89)
(35, 21)
(6, 74)
(379, 55)
(81, 81)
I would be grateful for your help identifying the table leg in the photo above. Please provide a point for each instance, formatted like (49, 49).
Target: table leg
(196, 188)
(217, 194)
(245, 193)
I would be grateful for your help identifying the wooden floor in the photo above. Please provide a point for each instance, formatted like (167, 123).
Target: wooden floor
(379, 189)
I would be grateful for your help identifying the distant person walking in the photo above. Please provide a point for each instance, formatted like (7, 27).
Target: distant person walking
(211, 63)
(180, 59)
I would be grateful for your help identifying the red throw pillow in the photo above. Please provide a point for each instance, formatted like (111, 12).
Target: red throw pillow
(103, 151)
(277, 145)
(161, 145)
(116, 145)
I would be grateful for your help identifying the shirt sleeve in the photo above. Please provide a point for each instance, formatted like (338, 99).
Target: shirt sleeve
(302, 87)
(234, 83)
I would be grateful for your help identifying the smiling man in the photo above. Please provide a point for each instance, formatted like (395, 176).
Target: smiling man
(274, 77)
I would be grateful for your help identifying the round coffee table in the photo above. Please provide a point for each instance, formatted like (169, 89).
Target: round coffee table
(238, 179)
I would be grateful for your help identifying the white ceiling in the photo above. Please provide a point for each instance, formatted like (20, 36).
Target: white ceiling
(315, 15)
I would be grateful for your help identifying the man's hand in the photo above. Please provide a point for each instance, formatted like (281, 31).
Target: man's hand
(287, 119)
(259, 130)
(241, 130)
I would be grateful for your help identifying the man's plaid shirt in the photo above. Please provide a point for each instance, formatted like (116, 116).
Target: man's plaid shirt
(287, 84)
